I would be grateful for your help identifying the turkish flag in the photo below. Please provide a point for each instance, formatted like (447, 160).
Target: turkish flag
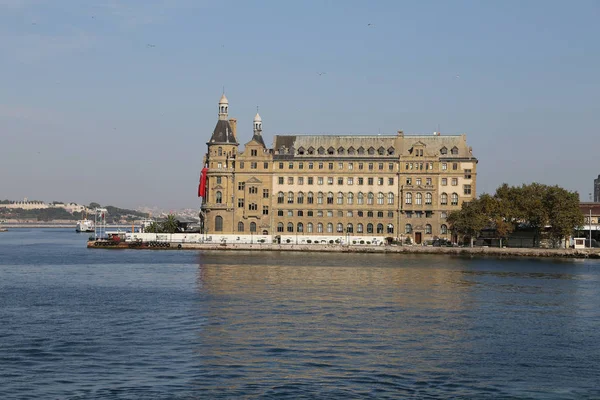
(202, 184)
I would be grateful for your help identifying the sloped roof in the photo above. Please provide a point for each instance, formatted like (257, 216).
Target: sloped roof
(335, 141)
(223, 133)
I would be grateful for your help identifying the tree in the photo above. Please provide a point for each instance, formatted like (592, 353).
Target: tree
(470, 220)
(153, 227)
(170, 225)
(94, 205)
(563, 212)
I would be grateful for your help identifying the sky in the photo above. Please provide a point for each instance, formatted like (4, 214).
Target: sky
(113, 101)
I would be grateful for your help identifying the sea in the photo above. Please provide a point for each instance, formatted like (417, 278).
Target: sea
(78, 323)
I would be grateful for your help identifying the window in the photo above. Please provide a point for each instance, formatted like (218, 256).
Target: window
(319, 228)
(408, 198)
(300, 227)
(359, 228)
(454, 199)
(330, 180)
(320, 180)
(380, 181)
(339, 228)
(370, 198)
(252, 206)
(280, 197)
(369, 214)
(428, 181)
(309, 227)
(349, 228)
(319, 213)
(290, 180)
(290, 227)
(329, 213)
(419, 214)
(361, 198)
(340, 165)
(220, 165)
(418, 181)
(467, 189)
(240, 203)
(266, 165)
(444, 199)
(280, 180)
(360, 214)
(370, 181)
(252, 190)
(467, 174)
(350, 181)
(320, 198)
(444, 166)
(329, 227)
(300, 198)
(409, 214)
(220, 151)
(265, 210)
(340, 198)
(390, 166)
(380, 166)
(290, 213)
(369, 228)
(219, 180)
(350, 198)
(428, 214)
(379, 214)
(219, 197)
(390, 198)
(379, 228)
(340, 181)
(310, 198)
(330, 165)
(418, 199)
(265, 193)
(428, 229)
(320, 165)
(408, 228)
(240, 226)
(444, 181)
(360, 166)
(280, 227)
(218, 223)
(428, 198)
(454, 181)
(444, 214)
(300, 180)
(310, 165)
(454, 166)
(301, 165)
(280, 165)
(290, 165)
(253, 165)
(444, 229)
(409, 181)
(370, 166)
(241, 185)
(454, 150)
(329, 198)
(380, 198)
(290, 198)
(390, 181)
(390, 214)
(350, 166)
(361, 181)
(280, 213)
(390, 228)
(443, 150)
(310, 180)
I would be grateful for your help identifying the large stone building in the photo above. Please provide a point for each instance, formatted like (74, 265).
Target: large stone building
(323, 188)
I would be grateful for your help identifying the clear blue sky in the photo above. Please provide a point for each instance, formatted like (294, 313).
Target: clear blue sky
(113, 101)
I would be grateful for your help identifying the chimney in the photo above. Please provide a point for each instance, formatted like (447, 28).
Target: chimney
(401, 133)
(233, 124)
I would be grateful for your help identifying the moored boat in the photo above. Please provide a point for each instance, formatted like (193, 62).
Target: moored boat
(85, 225)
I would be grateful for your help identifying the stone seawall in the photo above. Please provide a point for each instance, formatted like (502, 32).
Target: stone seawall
(336, 248)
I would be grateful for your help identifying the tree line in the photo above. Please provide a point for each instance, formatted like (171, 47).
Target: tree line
(168, 225)
(540, 208)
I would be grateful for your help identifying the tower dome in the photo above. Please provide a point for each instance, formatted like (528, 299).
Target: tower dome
(257, 123)
(223, 107)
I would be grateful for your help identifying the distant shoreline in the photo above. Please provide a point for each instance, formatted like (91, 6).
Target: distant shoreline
(64, 225)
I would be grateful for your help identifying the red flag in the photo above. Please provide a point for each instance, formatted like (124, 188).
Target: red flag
(202, 184)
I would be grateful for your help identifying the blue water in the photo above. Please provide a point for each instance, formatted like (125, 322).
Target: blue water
(78, 323)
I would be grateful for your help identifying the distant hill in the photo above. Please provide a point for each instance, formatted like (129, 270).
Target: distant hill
(115, 214)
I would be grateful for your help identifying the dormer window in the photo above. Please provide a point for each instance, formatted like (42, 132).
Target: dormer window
(351, 151)
(330, 151)
(455, 150)
(391, 151)
(444, 150)
(371, 151)
(361, 150)
(340, 150)
(301, 150)
(311, 150)
(321, 150)
(381, 151)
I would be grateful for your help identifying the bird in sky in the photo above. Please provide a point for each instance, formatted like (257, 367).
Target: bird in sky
(371, 25)
(322, 73)
(151, 45)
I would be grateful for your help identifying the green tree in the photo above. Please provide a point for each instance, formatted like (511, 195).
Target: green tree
(170, 224)
(153, 227)
(470, 220)
(94, 205)
(563, 212)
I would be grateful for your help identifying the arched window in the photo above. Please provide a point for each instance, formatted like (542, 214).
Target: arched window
(444, 199)
(340, 227)
(329, 227)
(350, 198)
(370, 198)
(319, 228)
(240, 226)
(408, 198)
(359, 228)
(454, 199)
(290, 197)
(280, 197)
(390, 198)
(265, 232)
(219, 197)
(380, 198)
(408, 228)
(444, 229)
(252, 226)
(320, 198)
(309, 227)
(300, 198)
(379, 228)
(300, 227)
(369, 228)
(418, 199)
(361, 198)
(390, 228)
(428, 229)
(280, 227)
(329, 198)
(349, 228)
(218, 223)
(220, 151)
(310, 198)
(290, 227)
(428, 198)
(340, 198)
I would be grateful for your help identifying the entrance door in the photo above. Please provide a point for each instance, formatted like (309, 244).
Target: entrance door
(418, 237)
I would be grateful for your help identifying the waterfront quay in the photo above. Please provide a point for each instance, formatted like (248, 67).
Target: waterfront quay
(338, 248)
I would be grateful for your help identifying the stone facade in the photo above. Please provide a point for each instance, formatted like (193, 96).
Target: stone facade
(597, 189)
(380, 186)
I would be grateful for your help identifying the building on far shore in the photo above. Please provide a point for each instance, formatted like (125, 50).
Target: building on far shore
(597, 189)
(333, 188)
(591, 215)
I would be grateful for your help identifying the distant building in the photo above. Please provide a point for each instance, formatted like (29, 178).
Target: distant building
(343, 188)
(597, 189)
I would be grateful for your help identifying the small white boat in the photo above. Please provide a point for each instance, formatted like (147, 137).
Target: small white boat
(85, 225)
